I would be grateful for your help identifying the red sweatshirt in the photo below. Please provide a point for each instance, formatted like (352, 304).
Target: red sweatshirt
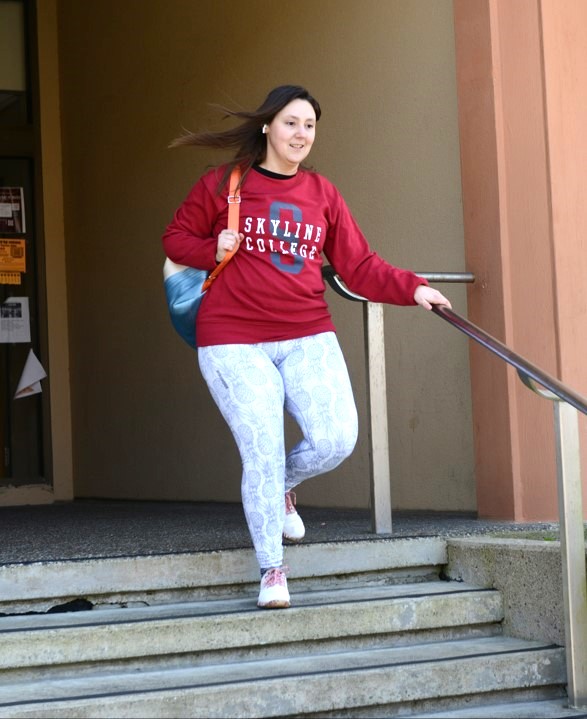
(273, 288)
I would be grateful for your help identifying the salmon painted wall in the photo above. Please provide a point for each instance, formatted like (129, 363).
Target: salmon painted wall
(565, 79)
(518, 90)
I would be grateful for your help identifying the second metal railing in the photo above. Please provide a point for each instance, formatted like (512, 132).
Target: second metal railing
(381, 513)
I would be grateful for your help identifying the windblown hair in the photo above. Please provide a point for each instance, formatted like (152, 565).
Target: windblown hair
(247, 138)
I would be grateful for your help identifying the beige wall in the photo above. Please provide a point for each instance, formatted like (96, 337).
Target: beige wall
(132, 74)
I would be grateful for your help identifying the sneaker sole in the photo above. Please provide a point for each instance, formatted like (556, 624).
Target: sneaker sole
(295, 540)
(275, 604)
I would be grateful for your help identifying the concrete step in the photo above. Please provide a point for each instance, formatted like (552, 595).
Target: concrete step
(167, 578)
(235, 629)
(545, 709)
(396, 678)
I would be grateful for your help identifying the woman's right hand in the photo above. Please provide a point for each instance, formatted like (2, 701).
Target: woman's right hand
(228, 240)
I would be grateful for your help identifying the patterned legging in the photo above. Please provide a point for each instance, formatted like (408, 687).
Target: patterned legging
(251, 384)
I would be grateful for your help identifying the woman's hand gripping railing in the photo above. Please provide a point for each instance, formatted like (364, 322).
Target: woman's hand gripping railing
(572, 533)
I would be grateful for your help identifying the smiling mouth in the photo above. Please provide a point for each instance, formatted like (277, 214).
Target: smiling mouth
(297, 147)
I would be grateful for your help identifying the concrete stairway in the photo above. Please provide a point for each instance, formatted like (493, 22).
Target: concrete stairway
(372, 632)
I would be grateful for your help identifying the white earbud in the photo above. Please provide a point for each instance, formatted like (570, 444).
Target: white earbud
(265, 128)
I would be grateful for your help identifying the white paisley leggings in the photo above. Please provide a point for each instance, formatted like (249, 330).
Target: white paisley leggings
(251, 384)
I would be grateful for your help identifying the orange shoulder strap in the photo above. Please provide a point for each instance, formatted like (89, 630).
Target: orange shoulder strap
(234, 199)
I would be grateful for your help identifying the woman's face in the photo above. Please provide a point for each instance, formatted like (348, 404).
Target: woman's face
(290, 137)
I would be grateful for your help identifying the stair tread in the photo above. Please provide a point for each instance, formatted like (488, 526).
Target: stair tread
(238, 626)
(38, 583)
(211, 607)
(214, 677)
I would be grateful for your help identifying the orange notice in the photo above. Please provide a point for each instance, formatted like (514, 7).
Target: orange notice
(12, 255)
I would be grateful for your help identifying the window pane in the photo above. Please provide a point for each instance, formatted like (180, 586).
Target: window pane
(13, 74)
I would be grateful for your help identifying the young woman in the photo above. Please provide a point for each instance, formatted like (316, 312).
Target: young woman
(265, 336)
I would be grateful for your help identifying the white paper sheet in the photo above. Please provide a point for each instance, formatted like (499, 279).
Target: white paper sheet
(15, 324)
(12, 214)
(30, 379)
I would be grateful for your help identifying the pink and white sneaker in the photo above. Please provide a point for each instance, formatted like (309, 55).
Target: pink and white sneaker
(293, 527)
(273, 593)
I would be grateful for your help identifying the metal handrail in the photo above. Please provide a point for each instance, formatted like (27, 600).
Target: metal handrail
(523, 366)
(569, 487)
(567, 403)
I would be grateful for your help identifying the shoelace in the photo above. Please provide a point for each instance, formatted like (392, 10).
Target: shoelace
(290, 502)
(275, 576)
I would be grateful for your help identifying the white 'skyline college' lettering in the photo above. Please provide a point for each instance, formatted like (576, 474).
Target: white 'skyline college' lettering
(283, 237)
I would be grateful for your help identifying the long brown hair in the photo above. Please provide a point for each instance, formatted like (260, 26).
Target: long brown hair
(248, 138)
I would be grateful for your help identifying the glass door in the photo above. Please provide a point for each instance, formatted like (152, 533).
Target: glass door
(21, 425)
(24, 425)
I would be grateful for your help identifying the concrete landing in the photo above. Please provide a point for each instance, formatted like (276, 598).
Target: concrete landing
(86, 529)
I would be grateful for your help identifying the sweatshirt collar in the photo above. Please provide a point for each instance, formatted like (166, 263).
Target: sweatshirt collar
(274, 175)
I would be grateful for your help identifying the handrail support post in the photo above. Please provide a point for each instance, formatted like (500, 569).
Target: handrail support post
(377, 413)
(572, 537)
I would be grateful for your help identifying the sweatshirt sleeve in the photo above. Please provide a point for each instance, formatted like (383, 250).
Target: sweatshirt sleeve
(363, 270)
(189, 238)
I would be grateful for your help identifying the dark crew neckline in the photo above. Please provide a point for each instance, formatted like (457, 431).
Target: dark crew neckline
(274, 175)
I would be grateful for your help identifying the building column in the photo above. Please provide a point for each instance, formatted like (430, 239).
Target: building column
(55, 261)
(522, 92)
